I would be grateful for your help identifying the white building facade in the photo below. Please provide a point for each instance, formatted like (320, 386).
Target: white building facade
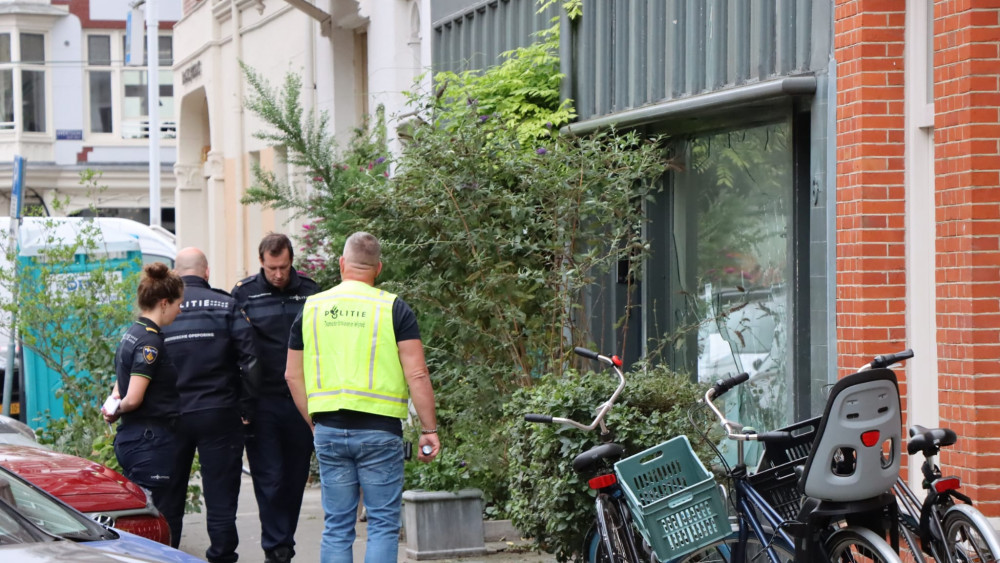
(69, 103)
(352, 56)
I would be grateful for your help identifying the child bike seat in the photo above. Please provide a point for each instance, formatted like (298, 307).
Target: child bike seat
(856, 452)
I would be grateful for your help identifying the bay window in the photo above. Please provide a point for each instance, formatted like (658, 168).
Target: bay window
(23, 82)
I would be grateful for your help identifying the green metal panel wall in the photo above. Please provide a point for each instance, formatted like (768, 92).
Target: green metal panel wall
(473, 37)
(629, 53)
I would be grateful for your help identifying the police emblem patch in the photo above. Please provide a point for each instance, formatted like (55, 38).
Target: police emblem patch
(150, 353)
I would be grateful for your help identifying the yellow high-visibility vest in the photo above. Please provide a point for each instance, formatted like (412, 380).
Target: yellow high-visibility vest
(350, 359)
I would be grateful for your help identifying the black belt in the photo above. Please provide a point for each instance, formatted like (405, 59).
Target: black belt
(149, 421)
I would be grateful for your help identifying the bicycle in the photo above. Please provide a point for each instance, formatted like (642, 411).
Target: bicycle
(681, 506)
(612, 538)
(948, 531)
(815, 477)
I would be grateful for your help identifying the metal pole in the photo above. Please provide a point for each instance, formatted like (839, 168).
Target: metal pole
(153, 100)
(17, 188)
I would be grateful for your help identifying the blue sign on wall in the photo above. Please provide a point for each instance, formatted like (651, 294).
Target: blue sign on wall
(69, 134)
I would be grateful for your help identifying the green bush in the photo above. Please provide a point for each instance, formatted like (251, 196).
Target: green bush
(549, 501)
(473, 440)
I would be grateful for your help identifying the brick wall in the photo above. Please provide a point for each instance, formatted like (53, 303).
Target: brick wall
(871, 281)
(967, 158)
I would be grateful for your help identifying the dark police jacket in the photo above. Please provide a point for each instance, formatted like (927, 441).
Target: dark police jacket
(212, 345)
(272, 312)
(141, 352)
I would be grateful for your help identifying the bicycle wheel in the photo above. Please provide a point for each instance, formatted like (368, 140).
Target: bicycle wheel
(859, 545)
(722, 550)
(909, 547)
(969, 536)
(620, 544)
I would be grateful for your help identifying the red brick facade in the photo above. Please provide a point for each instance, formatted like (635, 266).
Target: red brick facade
(967, 158)
(871, 195)
(871, 265)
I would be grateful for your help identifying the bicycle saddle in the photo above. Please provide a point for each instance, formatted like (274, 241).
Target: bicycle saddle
(857, 449)
(588, 459)
(929, 440)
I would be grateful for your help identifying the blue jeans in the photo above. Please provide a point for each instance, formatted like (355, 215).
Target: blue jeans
(350, 461)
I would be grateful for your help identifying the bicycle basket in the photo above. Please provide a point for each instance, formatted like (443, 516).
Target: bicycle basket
(803, 436)
(776, 479)
(677, 505)
(779, 486)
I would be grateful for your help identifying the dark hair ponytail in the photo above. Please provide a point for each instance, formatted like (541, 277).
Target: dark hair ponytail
(158, 282)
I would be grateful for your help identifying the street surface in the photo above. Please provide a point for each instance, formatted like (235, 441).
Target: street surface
(195, 539)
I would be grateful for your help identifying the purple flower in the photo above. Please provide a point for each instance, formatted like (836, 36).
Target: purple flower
(541, 150)
(548, 125)
(483, 118)
(380, 160)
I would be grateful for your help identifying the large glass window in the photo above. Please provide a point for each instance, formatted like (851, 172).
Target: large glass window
(118, 94)
(22, 82)
(33, 96)
(723, 290)
(99, 77)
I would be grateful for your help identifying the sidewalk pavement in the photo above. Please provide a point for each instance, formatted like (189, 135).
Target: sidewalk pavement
(195, 540)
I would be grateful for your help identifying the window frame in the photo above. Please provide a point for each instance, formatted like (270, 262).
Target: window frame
(18, 67)
(118, 71)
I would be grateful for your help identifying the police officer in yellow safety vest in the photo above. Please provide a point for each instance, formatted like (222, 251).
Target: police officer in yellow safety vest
(354, 358)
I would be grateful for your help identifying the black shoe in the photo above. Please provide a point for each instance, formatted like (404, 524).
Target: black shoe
(280, 554)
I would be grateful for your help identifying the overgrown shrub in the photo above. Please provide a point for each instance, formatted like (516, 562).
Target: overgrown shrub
(549, 501)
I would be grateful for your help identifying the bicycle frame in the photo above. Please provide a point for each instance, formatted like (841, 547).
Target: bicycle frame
(926, 517)
(747, 501)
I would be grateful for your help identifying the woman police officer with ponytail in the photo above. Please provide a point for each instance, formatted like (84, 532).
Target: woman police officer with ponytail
(146, 385)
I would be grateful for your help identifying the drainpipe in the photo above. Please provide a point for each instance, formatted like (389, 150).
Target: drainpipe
(242, 178)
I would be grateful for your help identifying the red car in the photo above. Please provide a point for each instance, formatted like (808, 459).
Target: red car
(88, 486)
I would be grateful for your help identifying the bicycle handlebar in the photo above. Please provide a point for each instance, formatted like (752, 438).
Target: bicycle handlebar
(724, 385)
(887, 360)
(615, 364)
(540, 418)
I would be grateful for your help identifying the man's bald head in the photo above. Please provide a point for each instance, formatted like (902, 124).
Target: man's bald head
(191, 261)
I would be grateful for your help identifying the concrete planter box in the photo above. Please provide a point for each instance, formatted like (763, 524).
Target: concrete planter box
(442, 525)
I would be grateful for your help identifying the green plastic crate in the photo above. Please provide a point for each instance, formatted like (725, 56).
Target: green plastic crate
(676, 504)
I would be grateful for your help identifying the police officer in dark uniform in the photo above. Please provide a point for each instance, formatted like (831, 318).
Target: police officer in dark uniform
(212, 345)
(144, 397)
(279, 442)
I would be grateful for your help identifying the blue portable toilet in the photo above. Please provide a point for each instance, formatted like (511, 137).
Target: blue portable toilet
(115, 249)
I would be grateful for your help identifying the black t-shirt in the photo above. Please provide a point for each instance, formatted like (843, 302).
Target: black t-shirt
(404, 325)
(141, 352)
